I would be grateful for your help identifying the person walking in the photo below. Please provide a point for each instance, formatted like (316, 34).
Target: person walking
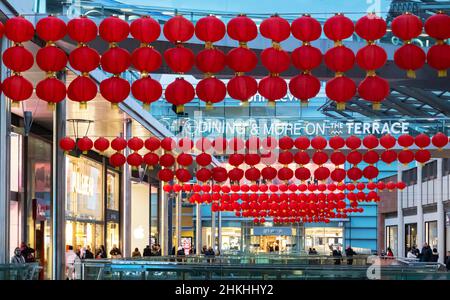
(136, 253)
(17, 258)
(71, 256)
(426, 253)
(435, 255)
(88, 253)
(349, 253)
(337, 254)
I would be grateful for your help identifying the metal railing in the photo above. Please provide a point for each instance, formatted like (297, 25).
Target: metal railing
(28, 271)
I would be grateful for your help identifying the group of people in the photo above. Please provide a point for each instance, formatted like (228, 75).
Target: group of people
(155, 250)
(426, 255)
(23, 254)
(337, 254)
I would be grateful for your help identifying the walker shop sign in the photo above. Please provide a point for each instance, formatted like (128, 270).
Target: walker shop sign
(274, 127)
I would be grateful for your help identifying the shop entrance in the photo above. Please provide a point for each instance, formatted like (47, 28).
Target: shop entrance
(276, 240)
(273, 244)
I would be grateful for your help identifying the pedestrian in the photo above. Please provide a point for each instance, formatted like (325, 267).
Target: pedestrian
(136, 253)
(88, 253)
(180, 252)
(115, 252)
(349, 253)
(17, 258)
(447, 262)
(337, 256)
(389, 254)
(71, 256)
(426, 253)
(27, 252)
(435, 255)
(411, 254)
(147, 251)
(101, 252)
(204, 250)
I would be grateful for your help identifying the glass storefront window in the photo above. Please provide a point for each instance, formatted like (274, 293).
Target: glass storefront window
(112, 235)
(323, 239)
(391, 238)
(231, 239)
(410, 236)
(431, 237)
(112, 190)
(154, 214)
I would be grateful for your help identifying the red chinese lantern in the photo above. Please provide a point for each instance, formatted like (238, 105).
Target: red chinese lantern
(405, 140)
(183, 175)
(51, 29)
(210, 60)
(387, 141)
(51, 59)
(391, 186)
(370, 141)
(134, 160)
(339, 59)
(422, 156)
(319, 158)
(85, 144)
(147, 90)
(152, 144)
(17, 88)
(304, 87)
(135, 144)
(219, 174)
(167, 160)
(101, 144)
(371, 27)
(51, 90)
(117, 160)
(180, 59)
(438, 58)
(285, 158)
(18, 58)
(439, 140)
(82, 29)
(242, 29)
(146, 59)
(242, 87)
(410, 57)
(438, 26)
(275, 28)
(285, 174)
(422, 140)
(370, 172)
(370, 58)
(241, 59)
(178, 29)
(236, 174)
(18, 29)
(321, 173)
(286, 143)
(406, 26)
(203, 159)
(203, 175)
(115, 60)
(165, 175)
(275, 60)
(211, 90)
(374, 89)
(118, 144)
(67, 144)
(389, 156)
(184, 159)
(353, 142)
(318, 142)
(209, 29)
(337, 158)
(145, 29)
(268, 173)
(340, 89)
(302, 174)
(113, 29)
(338, 27)
(115, 90)
(168, 144)
(354, 174)
(306, 58)
(272, 88)
(220, 144)
(302, 143)
(336, 142)
(371, 157)
(405, 156)
(354, 157)
(306, 28)
(179, 92)
(338, 175)
(401, 185)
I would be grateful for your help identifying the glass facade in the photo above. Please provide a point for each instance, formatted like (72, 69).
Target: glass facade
(431, 237)
(392, 238)
(410, 236)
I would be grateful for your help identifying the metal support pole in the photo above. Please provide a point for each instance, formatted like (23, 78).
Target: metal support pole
(419, 200)
(163, 221)
(126, 203)
(59, 193)
(213, 230)
(440, 213)
(219, 233)
(178, 209)
(5, 139)
(198, 229)
(401, 225)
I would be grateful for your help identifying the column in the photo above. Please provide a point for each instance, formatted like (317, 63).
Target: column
(163, 221)
(400, 224)
(440, 212)
(5, 128)
(126, 203)
(178, 212)
(213, 230)
(59, 193)
(219, 232)
(418, 198)
(198, 229)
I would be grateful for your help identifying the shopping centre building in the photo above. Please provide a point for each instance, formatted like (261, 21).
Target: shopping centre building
(51, 198)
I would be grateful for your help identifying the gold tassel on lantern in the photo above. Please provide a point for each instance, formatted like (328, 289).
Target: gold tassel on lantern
(83, 105)
(51, 106)
(15, 104)
(304, 103)
(411, 74)
(376, 106)
(146, 106)
(209, 106)
(271, 104)
(340, 105)
(442, 73)
(180, 109)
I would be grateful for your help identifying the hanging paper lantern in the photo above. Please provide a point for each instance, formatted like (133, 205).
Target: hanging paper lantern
(405, 140)
(306, 28)
(180, 59)
(145, 29)
(203, 144)
(146, 90)
(302, 174)
(275, 60)
(275, 28)
(353, 142)
(236, 174)
(101, 144)
(374, 89)
(406, 26)
(286, 143)
(220, 144)
(338, 27)
(117, 160)
(183, 175)
(210, 60)
(370, 141)
(387, 141)
(422, 156)
(318, 142)
(115, 90)
(146, 59)
(371, 157)
(440, 140)
(165, 175)
(113, 29)
(18, 29)
(184, 159)
(85, 144)
(210, 29)
(135, 144)
(67, 144)
(337, 158)
(179, 92)
(339, 59)
(371, 27)
(354, 174)
(401, 185)
(219, 174)
(285, 174)
(211, 90)
(242, 87)
(338, 175)
(118, 144)
(370, 172)
(306, 57)
(340, 89)
(370, 58)
(241, 59)
(18, 58)
(405, 156)
(268, 173)
(82, 29)
(304, 87)
(319, 158)
(203, 159)
(354, 157)
(409, 57)
(242, 29)
(51, 59)
(203, 175)
(168, 144)
(302, 143)
(51, 90)
(381, 185)
(178, 29)
(389, 156)
(84, 59)
(134, 160)
(152, 143)
(51, 28)
(336, 142)
(438, 26)
(438, 57)
(167, 160)
(285, 158)
(321, 173)
(422, 140)
(272, 88)
(115, 60)
(185, 144)
(17, 88)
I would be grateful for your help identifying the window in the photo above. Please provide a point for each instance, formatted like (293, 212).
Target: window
(429, 171)
(391, 238)
(410, 236)
(410, 176)
(445, 166)
(112, 190)
(431, 234)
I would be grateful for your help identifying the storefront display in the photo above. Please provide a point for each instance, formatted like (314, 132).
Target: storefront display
(391, 238)
(323, 239)
(431, 234)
